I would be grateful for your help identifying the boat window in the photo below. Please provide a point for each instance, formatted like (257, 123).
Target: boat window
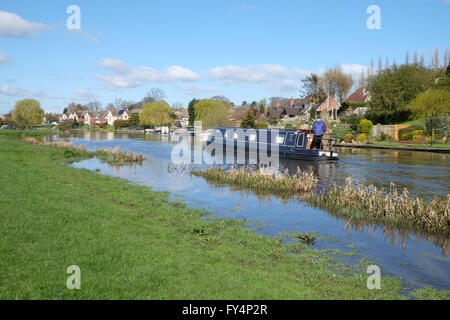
(235, 136)
(280, 138)
(252, 137)
(290, 139)
(301, 139)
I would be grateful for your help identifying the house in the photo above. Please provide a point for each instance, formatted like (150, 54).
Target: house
(112, 116)
(360, 96)
(78, 116)
(63, 117)
(101, 117)
(89, 118)
(276, 112)
(123, 115)
(329, 109)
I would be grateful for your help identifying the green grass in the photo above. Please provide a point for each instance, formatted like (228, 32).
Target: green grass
(415, 145)
(133, 243)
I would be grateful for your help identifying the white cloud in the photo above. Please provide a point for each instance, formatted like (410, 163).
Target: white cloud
(198, 90)
(13, 92)
(126, 77)
(273, 77)
(12, 25)
(18, 92)
(85, 34)
(85, 95)
(4, 59)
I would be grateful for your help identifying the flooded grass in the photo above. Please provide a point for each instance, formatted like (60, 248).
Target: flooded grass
(111, 156)
(353, 201)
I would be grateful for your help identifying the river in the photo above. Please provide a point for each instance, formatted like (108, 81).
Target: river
(419, 260)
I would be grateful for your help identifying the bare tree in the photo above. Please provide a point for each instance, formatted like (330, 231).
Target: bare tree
(446, 58)
(362, 79)
(372, 67)
(422, 60)
(387, 62)
(337, 83)
(380, 65)
(407, 58)
(94, 106)
(177, 105)
(435, 59)
(415, 58)
(155, 95)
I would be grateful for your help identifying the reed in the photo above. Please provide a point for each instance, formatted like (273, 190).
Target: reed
(353, 201)
(262, 179)
(111, 156)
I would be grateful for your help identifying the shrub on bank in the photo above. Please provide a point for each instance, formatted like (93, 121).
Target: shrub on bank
(348, 138)
(362, 137)
(365, 126)
(339, 132)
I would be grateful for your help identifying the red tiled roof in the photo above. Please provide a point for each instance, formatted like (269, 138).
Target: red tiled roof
(359, 95)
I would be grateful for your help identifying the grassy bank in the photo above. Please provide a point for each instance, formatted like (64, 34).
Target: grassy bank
(130, 242)
(363, 203)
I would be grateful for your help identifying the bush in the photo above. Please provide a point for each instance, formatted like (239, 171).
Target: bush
(441, 126)
(388, 116)
(121, 124)
(365, 126)
(348, 138)
(339, 132)
(353, 120)
(406, 133)
(290, 125)
(362, 137)
(261, 125)
(273, 120)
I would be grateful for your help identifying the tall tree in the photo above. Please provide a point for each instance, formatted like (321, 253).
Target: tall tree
(191, 111)
(249, 120)
(337, 83)
(312, 89)
(155, 114)
(27, 112)
(211, 113)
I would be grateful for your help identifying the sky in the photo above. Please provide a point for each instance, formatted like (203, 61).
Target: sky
(244, 50)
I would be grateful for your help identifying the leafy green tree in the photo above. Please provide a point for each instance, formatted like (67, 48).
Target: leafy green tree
(133, 120)
(27, 112)
(191, 111)
(430, 103)
(155, 114)
(211, 112)
(249, 120)
(394, 88)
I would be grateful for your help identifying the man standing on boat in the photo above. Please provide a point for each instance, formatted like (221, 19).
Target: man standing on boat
(318, 128)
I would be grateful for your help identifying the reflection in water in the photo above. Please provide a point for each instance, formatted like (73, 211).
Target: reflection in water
(417, 258)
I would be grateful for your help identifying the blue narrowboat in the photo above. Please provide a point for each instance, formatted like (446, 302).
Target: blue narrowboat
(296, 144)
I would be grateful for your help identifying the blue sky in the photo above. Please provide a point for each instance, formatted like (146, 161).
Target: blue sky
(244, 50)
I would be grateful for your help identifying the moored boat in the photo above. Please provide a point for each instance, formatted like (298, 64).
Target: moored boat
(290, 144)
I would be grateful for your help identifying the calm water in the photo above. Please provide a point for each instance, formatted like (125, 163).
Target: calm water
(417, 259)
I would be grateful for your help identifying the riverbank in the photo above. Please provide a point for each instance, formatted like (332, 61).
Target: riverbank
(130, 242)
(439, 148)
